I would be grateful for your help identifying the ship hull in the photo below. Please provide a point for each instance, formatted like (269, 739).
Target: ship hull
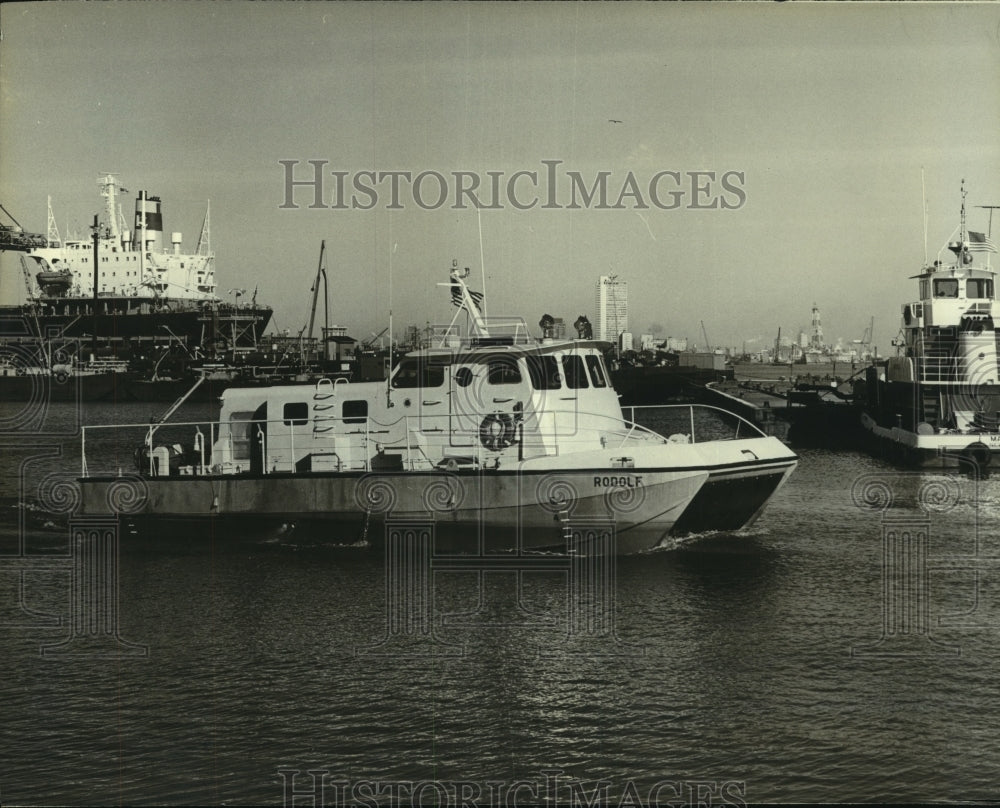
(968, 452)
(121, 320)
(470, 510)
(512, 509)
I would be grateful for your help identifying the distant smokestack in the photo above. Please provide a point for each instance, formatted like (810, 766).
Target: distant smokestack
(153, 232)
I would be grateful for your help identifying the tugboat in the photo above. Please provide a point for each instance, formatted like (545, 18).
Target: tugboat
(499, 437)
(938, 402)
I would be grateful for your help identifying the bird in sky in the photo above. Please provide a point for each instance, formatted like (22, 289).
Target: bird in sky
(612, 120)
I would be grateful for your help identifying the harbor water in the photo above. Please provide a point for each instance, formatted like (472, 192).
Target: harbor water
(844, 648)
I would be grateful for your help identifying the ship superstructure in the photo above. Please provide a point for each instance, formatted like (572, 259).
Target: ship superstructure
(131, 265)
(125, 285)
(939, 399)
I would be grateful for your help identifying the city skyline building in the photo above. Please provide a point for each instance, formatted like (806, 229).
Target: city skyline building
(611, 301)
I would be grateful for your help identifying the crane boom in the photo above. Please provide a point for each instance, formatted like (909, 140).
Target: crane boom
(14, 238)
(320, 271)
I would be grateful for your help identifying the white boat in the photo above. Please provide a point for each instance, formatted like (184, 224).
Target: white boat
(503, 441)
(937, 403)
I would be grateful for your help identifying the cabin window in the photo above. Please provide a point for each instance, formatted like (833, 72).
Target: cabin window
(979, 287)
(418, 373)
(240, 433)
(543, 372)
(946, 287)
(463, 377)
(576, 376)
(597, 376)
(354, 412)
(503, 370)
(296, 414)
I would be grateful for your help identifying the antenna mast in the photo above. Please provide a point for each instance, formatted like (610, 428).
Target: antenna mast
(205, 239)
(923, 191)
(52, 235)
(989, 227)
(962, 234)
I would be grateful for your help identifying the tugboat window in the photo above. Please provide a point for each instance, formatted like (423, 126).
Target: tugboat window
(355, 412)
(946, 287)
(576, 376)
(543, 372)
(463, 377)
(296, 414)
(596, 371)
(979, 287)
(503, 371)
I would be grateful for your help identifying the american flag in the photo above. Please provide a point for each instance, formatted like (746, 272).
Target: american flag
(456, 297)
(979, 243)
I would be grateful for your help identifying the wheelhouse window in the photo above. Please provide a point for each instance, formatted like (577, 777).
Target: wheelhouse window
(355, 412)
(418, 372)
(503, 370)
(296, 413)
(946, 287)
(979, 288)
(596, 367)
(543, 372)
(576, 375)
(463, 377)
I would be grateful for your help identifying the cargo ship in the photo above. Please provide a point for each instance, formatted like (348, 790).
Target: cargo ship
(121, 291)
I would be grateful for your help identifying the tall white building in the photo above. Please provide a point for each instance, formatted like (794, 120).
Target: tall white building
(612, 308)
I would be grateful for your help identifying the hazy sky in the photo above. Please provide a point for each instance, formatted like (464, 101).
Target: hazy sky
(827, 112)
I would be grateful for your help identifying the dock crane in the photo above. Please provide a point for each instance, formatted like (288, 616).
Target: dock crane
(866, 338)
(320, 271)
(708, 345)
(368, 343)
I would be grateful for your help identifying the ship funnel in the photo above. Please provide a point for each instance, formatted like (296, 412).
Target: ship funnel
(175, 240)
(149, 231)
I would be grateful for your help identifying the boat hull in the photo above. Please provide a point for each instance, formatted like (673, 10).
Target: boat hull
(471, 511)
(967, 451)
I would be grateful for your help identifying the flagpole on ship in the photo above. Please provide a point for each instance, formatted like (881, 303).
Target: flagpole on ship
(482, 260)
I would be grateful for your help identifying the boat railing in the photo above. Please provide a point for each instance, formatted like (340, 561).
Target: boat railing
(699, 422)
(940, 369)
(412, 442)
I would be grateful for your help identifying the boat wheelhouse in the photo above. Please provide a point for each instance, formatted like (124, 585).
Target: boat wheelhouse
(938, 403)
(502, 439)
